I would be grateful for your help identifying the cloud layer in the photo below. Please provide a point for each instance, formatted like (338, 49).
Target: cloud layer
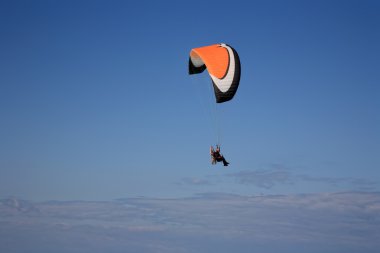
(340, 222)
(269, 178)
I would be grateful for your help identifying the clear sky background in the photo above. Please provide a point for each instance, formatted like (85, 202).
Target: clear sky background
(96, 105)
(96, 102)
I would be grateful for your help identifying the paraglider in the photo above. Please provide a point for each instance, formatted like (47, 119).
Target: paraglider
(216, 156)
(223, 65)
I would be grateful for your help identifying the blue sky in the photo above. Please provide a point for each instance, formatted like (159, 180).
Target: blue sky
(96, 102)
(104, 137)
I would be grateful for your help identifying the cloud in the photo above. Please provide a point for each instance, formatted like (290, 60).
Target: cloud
(328, 222)
(13, 204)
(263, 178)
(279, 175)
(356, 183)
(364, 184)
(194, 181)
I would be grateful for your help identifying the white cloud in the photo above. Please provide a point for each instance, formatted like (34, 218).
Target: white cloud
(263, 178)
(346, 222)
(278, 175)
(194, 181)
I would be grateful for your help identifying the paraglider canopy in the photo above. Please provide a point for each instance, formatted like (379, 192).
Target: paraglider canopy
(223, 65)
